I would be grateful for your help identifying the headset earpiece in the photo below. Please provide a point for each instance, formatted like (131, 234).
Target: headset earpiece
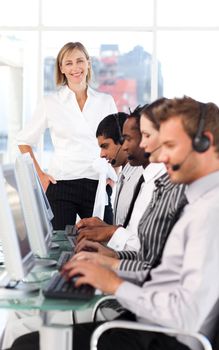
(201, 142)
(121, 138)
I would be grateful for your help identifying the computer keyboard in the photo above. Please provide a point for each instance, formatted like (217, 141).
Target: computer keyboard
(71, 230)
(64, 257)
(72, 240)
(58, 287)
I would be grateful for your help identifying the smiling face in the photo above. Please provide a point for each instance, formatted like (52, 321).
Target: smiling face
(111, 151)
(75, 67)
(150, 141)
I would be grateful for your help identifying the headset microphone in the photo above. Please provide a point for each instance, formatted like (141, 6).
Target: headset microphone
(113, 161)
(131, 157)
(148, 154)
(177, 166)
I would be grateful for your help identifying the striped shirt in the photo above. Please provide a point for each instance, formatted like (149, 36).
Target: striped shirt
(154, 228)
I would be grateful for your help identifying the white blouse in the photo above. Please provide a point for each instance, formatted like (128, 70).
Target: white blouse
(73, 131)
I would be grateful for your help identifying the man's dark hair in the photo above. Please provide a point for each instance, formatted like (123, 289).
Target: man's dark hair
(111, 126)
(136, 114)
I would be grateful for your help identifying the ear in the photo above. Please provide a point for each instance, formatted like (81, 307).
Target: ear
(210, 136)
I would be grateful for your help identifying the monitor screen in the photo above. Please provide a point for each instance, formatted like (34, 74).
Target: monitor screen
(43, 206)
(38, 227)
(18, 256)
(17, 213)
(44, 222)
(49, 212)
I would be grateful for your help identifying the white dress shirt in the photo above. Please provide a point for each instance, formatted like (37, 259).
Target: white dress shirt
(127, 181)
(127, 238)
(184, 289)
(73, 131)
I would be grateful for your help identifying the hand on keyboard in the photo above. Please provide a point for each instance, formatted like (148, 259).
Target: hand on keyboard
(93, 274)
(90, 246)
(64, 257)
(59, 287)
(71, 230)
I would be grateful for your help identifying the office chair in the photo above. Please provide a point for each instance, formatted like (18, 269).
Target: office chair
(106, 300)
(203, 341)
(101, 312)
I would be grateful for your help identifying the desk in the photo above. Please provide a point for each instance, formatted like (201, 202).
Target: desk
(53, 337)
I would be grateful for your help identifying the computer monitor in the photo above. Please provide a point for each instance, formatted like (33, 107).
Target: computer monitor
(19, 258)
(48, 210)
(46, 205)
(34, 205)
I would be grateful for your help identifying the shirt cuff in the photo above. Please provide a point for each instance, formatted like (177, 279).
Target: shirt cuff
(119, 239)
(127, 293)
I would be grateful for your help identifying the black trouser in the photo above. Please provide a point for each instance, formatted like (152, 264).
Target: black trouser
(119, 339)
(116, 339)
(71, 197)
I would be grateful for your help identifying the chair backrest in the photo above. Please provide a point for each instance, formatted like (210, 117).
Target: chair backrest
(215, 342)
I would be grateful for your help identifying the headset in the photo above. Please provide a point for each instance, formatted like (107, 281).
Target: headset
(201, 142)
(121, 138)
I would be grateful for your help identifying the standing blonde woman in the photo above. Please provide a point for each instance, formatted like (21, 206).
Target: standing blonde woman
(72, 115)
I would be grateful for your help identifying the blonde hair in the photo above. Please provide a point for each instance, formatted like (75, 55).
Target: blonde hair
(60, 78)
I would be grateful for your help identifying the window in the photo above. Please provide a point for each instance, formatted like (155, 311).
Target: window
(18, 86)
(187, 13)
(189, 64)
(19, 12)
(98, 13)
(120, 67)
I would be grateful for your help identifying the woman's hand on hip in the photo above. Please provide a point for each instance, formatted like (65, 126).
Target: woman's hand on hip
(45, 180)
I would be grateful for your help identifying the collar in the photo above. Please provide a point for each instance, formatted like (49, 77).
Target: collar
(153, 170)
(125, 170)
(201, 186)
(128, 170)
(164, 182)
(64, 92)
